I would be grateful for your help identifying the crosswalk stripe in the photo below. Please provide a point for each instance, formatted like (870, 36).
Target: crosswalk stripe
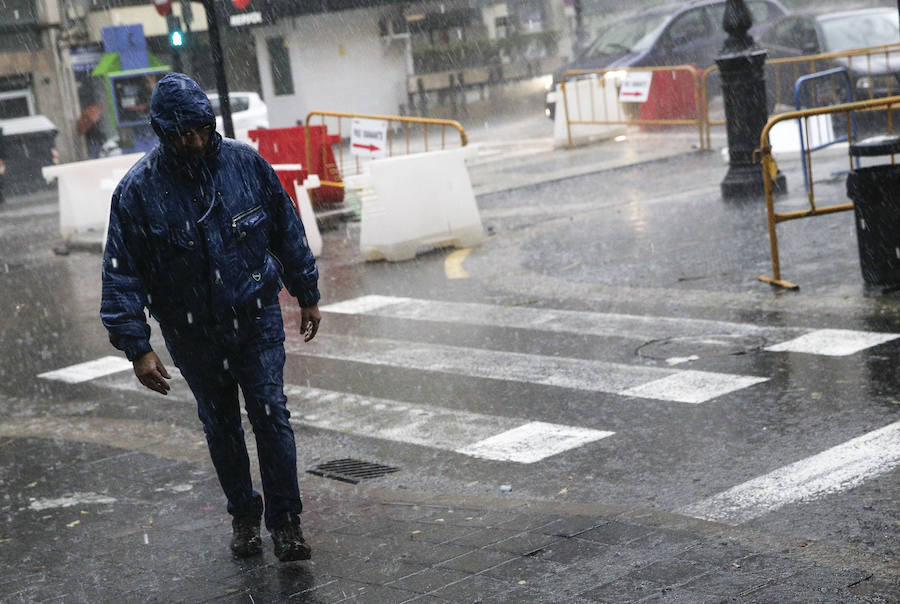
(473, 434)
(833, 342)
(579, 374)
(827, 342)
(532, 442)
(693, 386)
(837, 469)
(84, 372)
(544, 319)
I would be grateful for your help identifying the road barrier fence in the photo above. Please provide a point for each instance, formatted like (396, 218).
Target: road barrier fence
(415, 134)
(681, 95)
(807, 119)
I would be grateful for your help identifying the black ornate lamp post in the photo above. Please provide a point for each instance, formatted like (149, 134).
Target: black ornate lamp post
(744, 91)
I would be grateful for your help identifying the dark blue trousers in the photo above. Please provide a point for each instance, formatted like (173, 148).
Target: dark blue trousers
(248, 354)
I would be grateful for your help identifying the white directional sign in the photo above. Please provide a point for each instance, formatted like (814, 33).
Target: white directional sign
(368, 138)
(636, 87)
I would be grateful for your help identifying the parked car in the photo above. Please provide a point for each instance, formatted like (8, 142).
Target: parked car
(687, 33)
(803, 34)
(248, 112)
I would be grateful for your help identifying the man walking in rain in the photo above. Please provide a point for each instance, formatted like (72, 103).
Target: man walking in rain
(203, 235)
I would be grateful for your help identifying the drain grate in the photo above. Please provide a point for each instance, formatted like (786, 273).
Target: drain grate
(351, 470)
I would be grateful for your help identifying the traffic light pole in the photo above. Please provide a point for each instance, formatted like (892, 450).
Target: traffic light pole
(215, 46)
(176, 60)
(173, 23)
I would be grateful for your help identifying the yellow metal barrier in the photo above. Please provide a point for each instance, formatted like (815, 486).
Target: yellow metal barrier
(409, 123)
(614, 115)
(770, 170)
(779, 71)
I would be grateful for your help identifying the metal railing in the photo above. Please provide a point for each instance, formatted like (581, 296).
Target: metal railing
(415, 136)
(770, 170)
(605, 109)
(782, 73)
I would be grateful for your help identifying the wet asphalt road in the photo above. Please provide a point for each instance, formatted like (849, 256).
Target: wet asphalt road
(652, 241)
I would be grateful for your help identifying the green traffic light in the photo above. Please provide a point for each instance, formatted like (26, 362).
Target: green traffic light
(176, 38)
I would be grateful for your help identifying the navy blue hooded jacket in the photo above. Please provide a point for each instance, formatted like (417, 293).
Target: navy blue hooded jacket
(200, 242)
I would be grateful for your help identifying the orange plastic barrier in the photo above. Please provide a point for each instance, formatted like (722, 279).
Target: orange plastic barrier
(288, 146)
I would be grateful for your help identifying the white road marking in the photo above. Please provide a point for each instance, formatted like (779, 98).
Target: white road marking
(546, 319)
(425, 425)
(84, 372)
(473, 434)
(834, 342)
(579, 374)
(831, 342)
(836, 469)
(532, 442)
(693, 386)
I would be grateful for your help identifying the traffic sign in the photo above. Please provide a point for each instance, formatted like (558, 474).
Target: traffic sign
(636, 87)
(163, 7)
(368, 138)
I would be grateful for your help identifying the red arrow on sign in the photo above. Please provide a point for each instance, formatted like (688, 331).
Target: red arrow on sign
(369, 147)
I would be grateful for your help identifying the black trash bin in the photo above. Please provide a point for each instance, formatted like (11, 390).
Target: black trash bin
(875, 192)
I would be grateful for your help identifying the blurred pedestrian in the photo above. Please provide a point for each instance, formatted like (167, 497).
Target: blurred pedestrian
(203, 235)
(88, 126)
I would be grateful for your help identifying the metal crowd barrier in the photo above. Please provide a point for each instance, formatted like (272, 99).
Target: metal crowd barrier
(770, 170)
(835, 86)
(781, 74)
(416, 136)
(601, 113)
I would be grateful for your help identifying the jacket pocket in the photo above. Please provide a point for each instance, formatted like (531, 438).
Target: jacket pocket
(185, 241)
(251, 232)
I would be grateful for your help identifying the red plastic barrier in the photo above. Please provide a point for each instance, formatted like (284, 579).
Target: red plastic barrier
(288, 146)
(671, 98)
(287, 178)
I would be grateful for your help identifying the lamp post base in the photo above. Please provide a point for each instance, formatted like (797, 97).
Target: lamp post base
(744, 181)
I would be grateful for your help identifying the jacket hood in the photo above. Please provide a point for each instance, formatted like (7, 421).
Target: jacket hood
(178, 103)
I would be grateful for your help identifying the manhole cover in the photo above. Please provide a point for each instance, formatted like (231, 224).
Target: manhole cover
(688, 347)
(351, 470)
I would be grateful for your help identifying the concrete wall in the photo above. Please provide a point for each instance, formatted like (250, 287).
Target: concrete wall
(339, 62)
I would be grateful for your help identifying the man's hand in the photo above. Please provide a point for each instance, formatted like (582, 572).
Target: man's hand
(309, 322)
(151, 373)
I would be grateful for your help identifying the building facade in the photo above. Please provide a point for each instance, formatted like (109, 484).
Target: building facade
(363, 56)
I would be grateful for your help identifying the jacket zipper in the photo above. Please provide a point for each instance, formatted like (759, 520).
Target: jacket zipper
(277, 259)
(242, 214)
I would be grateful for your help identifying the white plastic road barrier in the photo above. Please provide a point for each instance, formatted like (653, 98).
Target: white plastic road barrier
(85, 189)
(417, 201)
(307, 216)
(588, 99)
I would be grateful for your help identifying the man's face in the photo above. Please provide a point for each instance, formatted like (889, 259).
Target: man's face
(191, 142)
